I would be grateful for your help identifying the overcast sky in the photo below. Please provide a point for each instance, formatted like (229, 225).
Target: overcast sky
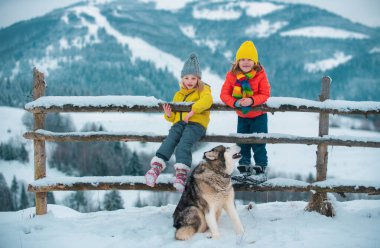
(366, 12)
(12, 11)
(363, 11)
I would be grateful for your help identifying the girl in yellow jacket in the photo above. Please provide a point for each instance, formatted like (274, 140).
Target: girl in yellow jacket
(188, 127)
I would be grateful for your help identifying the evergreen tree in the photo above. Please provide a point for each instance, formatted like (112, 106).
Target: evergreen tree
(28, 120)
(5, 152)
(24, 201)
(50, 198)
(23, 154)
(78, 201)
(298, 177)
(14, 150)
(140, 203)
(15, 193)
(310, 178)
(5, 195)
(134, 167)
(113, 201)
(101, 128)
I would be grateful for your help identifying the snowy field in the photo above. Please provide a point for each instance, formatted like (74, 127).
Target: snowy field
(282, 225)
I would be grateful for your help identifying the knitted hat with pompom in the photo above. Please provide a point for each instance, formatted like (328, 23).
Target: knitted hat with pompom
(191, 66)
(247, 50)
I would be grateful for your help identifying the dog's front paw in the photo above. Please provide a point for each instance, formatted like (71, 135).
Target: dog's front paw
(216, 236)
(213, 236)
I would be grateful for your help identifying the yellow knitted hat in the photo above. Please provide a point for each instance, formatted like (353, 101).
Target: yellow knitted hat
(247, 50)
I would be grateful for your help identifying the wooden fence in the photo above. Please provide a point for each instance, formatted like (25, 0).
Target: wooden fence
(318, 202)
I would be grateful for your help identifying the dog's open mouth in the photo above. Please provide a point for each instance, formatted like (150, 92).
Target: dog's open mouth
(236, 155)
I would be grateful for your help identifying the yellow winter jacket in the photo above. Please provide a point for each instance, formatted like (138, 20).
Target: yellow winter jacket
(202, 103)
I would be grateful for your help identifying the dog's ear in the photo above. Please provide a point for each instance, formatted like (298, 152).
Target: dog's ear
(210, 155)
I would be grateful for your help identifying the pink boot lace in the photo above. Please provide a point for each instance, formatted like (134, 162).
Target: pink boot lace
(180, 179)
(152, 174)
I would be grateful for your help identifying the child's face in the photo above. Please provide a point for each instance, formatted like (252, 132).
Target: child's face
(190, 81)
(246, 65)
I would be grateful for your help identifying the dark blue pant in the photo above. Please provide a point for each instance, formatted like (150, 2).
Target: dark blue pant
(258, 124)
(181, 138)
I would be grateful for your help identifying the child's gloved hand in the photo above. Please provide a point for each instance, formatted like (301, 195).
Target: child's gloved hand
(167, 109)
(245, 102)
(188, 116)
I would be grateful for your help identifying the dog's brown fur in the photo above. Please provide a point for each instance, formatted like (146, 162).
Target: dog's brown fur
(208, 191)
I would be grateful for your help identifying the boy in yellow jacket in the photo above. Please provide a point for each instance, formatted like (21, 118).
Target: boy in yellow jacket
(188, 127)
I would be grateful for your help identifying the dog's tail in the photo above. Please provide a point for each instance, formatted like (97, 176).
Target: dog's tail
(185, 232)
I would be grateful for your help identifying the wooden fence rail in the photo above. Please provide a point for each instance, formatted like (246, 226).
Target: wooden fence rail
(231, 138)
(46, 104)
(163, 184)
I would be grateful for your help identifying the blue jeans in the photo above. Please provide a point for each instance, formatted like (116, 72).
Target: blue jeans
(181, 138)
(258, 124)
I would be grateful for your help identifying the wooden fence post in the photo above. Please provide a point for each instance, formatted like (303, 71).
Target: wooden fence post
(39, 145)
(318, 201)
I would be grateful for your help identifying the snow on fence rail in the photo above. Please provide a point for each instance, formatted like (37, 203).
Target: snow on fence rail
(318, 202)
(150, 104)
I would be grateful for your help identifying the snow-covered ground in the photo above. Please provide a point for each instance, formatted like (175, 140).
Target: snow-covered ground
(277, 224)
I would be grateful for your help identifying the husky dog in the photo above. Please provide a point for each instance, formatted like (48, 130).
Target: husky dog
(208, 191)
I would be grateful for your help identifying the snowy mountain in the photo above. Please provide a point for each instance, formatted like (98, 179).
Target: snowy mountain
(138, 48)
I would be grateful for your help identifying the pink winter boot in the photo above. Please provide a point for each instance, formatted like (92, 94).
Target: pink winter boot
(157, 165)
(181, 171)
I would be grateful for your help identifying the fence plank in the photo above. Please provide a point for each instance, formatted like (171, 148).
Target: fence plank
(39, 145)
(231, 138)
(318, 201)
(136, 183)
(322, 154)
